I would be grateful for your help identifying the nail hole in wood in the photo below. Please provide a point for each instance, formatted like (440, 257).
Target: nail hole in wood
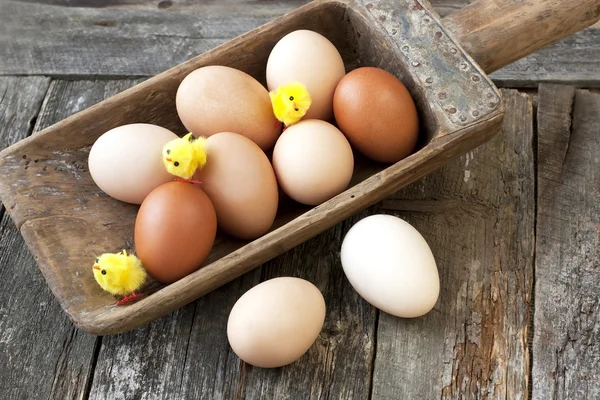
(165, 4)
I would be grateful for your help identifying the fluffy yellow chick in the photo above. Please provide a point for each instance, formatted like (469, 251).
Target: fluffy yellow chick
(183, 156)
(120, 274)
(290, 102)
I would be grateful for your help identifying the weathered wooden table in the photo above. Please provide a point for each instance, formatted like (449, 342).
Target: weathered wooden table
(514, 226)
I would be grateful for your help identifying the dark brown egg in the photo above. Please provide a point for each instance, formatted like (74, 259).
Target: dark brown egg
(174, 230)
(377, 114)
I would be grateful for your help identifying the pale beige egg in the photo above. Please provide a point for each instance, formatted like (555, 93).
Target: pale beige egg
(239, 180)
(276, 322)
(310, 58)
(126, 162)
(313, 161)
(217, 99)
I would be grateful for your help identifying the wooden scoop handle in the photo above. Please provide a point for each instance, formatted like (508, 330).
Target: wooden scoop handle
(497, 32)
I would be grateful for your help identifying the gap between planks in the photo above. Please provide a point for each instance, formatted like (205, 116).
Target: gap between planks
(566, 346)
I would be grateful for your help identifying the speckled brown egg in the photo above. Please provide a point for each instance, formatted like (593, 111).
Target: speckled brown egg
(377, 114)
(174, 230)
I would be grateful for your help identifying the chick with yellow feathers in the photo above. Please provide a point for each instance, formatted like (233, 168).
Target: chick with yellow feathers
(120, 274)
(290, 102)
(183, 156)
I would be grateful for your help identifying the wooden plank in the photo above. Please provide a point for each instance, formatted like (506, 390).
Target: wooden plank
(143, 38)
(339, 365)
(497, 33)
(186, 354)
(41, 354)
(118, 41)
(566, 344)
(574, 60)
(47, 355)
(477, 214)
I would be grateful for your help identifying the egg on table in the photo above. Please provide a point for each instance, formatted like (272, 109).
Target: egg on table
(313, 161)
(391, 266)
(239, 180)
(217, 99)
(377, 114)
(309, 58)
(125, 161)
(276, 322)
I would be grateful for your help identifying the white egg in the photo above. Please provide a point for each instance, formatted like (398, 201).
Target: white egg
(310, 58)
(391, 266)
(126, 162)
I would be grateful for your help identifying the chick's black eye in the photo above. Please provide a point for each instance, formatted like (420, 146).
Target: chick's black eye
(296, 109)
(97, 260)
(103, 272)
(291, 98)
(176, 163)
(168, 151)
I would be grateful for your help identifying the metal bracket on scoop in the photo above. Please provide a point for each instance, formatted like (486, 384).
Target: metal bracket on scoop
(450, 80)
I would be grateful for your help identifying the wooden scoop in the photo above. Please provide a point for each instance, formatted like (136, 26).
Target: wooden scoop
(66, 221)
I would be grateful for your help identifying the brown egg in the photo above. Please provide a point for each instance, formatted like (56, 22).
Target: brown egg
(241, 183)
(217, 99)
(174, 230)
(377, 114)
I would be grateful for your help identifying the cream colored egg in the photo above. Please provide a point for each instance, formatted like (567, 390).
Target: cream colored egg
(391, 266)
(217, 99)
(310, 58)
(239, 180)
(313, 161)
(126, 162)
(276, 322)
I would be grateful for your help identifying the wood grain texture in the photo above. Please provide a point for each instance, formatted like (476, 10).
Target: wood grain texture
(41, 354)
(187, 355)
(574, 60)
(118, 41)
(145, 37)
(566, 347)
(477, 215)
(496, 33)
(339, 365)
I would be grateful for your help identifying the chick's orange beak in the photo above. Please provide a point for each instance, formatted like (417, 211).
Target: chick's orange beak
(168, 159)
(96, 267)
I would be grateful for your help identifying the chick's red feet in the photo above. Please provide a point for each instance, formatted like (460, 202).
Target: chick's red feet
(187, 180)
(130, 299)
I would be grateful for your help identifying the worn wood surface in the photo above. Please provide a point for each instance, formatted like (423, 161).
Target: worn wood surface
(41, 353)
(566, 347)
(361, 353)
(477, 214)
(145, 37)
(186, 354)
(497, 33)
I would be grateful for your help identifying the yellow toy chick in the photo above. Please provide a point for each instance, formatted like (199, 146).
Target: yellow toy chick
(183, 156)
(120, 274)
(290, 102)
